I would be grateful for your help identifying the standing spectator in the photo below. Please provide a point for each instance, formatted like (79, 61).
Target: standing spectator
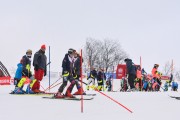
(27, 64)
(131, 72)
(39, 63)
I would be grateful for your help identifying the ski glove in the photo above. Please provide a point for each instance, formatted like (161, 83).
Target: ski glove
(45, 72)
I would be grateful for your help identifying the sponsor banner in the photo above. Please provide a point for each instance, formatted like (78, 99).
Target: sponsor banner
(5, 80)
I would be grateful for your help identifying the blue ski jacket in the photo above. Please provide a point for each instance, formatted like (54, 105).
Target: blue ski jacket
(19, 70)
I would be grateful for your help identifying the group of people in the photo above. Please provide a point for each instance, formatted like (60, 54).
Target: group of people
(138, 79)
(71, 67)
(71, 71)
(23, 72)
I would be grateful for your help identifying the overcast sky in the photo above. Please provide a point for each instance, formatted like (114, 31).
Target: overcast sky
(147, 28)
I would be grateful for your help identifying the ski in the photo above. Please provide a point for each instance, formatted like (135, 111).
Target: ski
(35, 94)
(67, 98)
(176, 97)
(87, 95)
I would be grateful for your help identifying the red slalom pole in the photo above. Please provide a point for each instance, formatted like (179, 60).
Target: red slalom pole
(114, 100)
(81, 84)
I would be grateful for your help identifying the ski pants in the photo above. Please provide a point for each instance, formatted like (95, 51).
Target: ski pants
(131, 79)
(64, 84)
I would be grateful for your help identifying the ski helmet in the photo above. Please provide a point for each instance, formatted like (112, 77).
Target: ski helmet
(156, 65)
(71, 50)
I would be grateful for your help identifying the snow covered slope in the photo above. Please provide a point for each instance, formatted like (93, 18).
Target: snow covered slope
(145, 106)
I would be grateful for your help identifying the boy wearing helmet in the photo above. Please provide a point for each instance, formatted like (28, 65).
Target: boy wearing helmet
(67, 73)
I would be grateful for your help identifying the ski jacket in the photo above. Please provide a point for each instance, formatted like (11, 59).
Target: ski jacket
(154, 72)
(68, 64)
(131, 69)
(93, 74)
(19, 70)
(40, 60)
(26, 64)
(101, 76)
(77, 66)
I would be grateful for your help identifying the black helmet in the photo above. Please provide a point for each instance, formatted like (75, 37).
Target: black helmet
(71, 50)
(156, 65)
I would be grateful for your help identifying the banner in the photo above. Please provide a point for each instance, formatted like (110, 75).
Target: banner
(5, 80)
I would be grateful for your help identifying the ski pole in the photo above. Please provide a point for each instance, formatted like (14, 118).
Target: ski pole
(53, 84)
(82, 82)
(114, 100)
(42, 88)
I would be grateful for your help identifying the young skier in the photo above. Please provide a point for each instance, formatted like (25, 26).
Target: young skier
(156, 77)
(18, 80)
(174, 86)
(100, 79)
(109, 83)
(67, 72)
(138, 80)
(77, 73)
(91, 78)
(39, 63)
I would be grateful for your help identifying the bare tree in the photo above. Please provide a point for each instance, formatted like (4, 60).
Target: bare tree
(167, 69)
(92, 51)
(104, 54)
(177, 75)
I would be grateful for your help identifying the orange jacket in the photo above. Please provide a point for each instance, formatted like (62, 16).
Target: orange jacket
(154, 71)
(138, 74)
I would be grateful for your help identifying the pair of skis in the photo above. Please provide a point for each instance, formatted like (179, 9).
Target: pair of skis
(76, 98)
(51, 96)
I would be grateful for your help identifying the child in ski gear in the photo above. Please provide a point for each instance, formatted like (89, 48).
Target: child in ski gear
(77, 73)
(131, 72)
(156, 77)
(100, 79)
(18, 78)
(174, 86)
(109, 84)
(138, 80)
(67, 73)
(39, 63)
(91, 78)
